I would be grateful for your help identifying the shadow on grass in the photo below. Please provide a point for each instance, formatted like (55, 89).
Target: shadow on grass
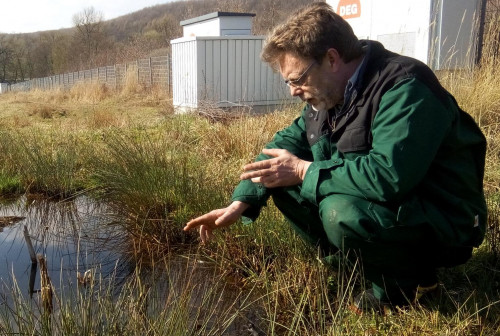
(470, 292)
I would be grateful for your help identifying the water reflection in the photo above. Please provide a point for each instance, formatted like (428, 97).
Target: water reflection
(83, 236)
(74, 236)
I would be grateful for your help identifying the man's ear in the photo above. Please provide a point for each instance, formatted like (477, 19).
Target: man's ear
(333, 59)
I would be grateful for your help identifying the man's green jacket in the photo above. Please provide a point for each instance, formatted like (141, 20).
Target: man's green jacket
(401, 141)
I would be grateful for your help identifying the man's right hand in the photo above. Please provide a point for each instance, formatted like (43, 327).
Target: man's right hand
(216, 219)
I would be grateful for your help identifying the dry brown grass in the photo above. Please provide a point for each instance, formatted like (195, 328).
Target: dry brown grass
(132, 84)
(103, 119)
(85, 106)
(90, 92)
(43, 111)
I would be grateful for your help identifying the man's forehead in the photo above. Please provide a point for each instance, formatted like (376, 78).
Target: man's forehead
(288, 63)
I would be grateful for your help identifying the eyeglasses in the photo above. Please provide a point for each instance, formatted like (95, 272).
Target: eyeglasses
(299, 81)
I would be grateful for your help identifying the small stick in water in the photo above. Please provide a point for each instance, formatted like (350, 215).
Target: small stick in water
(46, 285)
(30, 246)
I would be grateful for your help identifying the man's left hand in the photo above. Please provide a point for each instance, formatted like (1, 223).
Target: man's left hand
(284, 169)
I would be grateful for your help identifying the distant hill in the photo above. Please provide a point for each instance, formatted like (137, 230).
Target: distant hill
(268, 13)
(143, 33)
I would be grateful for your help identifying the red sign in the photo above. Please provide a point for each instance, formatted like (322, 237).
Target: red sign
(349, 9)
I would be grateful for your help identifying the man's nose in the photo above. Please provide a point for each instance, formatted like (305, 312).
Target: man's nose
(295, 90)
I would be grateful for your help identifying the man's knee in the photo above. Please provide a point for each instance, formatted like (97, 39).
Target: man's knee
(343, 218)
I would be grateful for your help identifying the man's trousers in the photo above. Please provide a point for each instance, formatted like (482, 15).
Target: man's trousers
(395, 257)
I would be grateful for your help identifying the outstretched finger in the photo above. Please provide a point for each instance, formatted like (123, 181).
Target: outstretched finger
(206, 219)
(264, 164)
(192, 224)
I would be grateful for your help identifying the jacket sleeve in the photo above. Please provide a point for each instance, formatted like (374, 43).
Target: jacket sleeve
(294, 139)
(407, 131)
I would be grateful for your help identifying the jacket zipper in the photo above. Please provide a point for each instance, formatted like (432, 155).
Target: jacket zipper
(351, 102)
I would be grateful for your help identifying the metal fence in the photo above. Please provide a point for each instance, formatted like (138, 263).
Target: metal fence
(149, 72)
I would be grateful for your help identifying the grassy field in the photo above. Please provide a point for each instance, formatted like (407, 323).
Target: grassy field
(158, 170)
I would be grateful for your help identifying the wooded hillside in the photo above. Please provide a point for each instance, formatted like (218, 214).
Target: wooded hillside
(94, 42)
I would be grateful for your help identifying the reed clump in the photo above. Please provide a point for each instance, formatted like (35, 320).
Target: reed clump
(90, 92)
(148, 180)
(43, 162)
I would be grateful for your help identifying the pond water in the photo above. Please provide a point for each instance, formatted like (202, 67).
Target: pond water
(81, 235)
(74, 237)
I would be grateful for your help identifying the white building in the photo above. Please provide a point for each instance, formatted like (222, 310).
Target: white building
(218, 60)
(4, 87)
(441, 33)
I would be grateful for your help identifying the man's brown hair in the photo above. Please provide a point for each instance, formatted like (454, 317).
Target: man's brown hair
(309, 33)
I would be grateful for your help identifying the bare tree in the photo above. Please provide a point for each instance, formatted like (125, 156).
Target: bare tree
(89, 33)
(168, 27)
(237, 6)
(19, 60)
(5, 60)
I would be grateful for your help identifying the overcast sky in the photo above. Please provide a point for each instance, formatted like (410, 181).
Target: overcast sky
(26, 16)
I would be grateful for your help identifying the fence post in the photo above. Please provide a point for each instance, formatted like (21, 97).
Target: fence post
(169, 73)
(150, 73)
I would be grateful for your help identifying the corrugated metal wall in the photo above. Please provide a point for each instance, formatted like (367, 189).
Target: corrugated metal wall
(184, 73)
(225, 70)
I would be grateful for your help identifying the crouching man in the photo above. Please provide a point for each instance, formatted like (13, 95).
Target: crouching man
(382, 163)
